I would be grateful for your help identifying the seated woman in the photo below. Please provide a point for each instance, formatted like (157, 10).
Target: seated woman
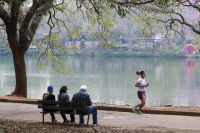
(64, 97)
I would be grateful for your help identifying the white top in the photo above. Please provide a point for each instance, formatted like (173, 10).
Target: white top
(143, 82)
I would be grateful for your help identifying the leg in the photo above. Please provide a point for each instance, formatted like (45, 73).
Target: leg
(93, 111)
(64, 117)
(138, 105)
(52, 116)
(81, 119)
(143, 100)
(142, 104)
(142, 97)
(72, 116)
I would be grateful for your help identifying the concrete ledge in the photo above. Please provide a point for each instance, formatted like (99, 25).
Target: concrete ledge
(167, 110)
(172, 110)
(26, 101)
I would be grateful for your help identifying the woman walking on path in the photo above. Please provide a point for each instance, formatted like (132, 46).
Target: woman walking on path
(141, 84)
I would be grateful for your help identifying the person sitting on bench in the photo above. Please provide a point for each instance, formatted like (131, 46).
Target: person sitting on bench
(83, 96)
(64, 97)
(50, 96)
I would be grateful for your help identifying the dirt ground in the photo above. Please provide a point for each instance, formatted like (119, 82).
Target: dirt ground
(26, 118)
(17, 126)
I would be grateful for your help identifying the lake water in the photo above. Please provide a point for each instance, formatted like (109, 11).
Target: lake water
(111, 79)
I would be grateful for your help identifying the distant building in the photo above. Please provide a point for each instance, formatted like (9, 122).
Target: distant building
(189, 49)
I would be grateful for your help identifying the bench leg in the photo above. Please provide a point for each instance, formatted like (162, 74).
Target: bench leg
(88, 119)
(42, 118)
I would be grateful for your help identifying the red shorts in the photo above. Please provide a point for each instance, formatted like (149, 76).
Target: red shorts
(141, 94)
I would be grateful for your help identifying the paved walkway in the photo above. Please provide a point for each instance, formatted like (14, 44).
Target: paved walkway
(30, 112)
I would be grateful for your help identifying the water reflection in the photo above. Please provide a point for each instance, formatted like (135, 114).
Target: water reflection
(189, 86)
(111, 80)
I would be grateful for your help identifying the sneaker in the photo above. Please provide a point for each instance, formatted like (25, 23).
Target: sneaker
(81, 123)
(139, 112)
(54, 121)
(95, 125)
(72, 122)
(134, 109)
(66, 121)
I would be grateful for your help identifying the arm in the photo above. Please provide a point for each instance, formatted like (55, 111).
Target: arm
(64, 97)
(45, 96)
(53, 97)
(140, 85)
(59, 97)
(67, 98)
(89, 101)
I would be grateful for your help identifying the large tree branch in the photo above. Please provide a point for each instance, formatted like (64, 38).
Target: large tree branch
(131, 3)
(25, 24)
(26, 40)
(183, 22)
(15, 9)
(21, 16)
(32, 20)
(193, 4)
(4, 16)
(38, 16)
(174, 16)
(15, 5)
(29, 16)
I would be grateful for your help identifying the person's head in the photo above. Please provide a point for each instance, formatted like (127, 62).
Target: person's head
(63, 89)
(50, 89)
(141, 73)
(83, 88)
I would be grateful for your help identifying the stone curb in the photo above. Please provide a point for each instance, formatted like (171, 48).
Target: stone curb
(147, 110)
(119, 108)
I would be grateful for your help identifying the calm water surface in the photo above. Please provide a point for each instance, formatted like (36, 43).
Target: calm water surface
(112, 79)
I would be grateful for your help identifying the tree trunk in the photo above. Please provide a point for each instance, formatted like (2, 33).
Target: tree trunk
(20, 73)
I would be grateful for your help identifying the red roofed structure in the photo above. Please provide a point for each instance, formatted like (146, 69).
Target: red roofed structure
(189, 49)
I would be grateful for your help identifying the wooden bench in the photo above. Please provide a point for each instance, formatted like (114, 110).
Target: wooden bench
(48, 106)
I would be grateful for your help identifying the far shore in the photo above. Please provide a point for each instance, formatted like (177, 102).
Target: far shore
(163, 109)
(112, 52)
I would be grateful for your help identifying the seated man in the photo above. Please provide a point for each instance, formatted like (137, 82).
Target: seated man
(50, 96)
(83, 96)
